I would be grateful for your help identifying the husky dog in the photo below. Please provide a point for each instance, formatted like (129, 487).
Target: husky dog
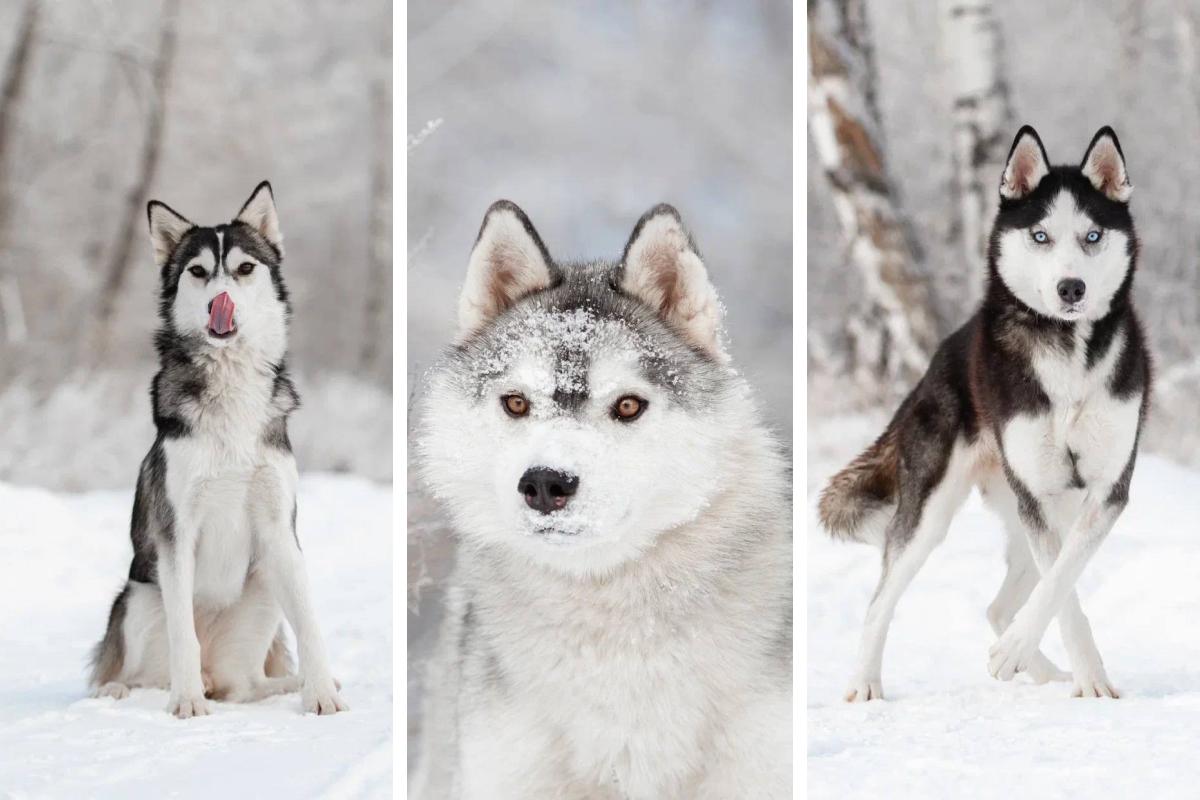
(1039, 400)
(619, 624)
(216, 561)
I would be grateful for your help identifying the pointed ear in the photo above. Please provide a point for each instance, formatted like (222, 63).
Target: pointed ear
(166, 230)
(1104, 165)
(508, 262)
(259, 213)
(1027, 165)
(662, 268)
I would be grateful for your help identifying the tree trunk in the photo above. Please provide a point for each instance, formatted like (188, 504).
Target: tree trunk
(982, 119)
(16, 75)
(134, 211)
(893, 330)
(375, 354)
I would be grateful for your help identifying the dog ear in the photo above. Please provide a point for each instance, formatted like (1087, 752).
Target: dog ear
(508, 262)
(1104, 165)
(662, 268)
(259, 213)
(1027, 165)
(166, 230)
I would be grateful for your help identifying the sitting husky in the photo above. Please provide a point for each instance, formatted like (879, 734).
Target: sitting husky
(216, 561)
(619, 624)
(1038, 400)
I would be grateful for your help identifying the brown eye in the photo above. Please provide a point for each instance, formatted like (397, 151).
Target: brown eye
(197, 270)
(245, 269)
(515, 405)
(629, 408)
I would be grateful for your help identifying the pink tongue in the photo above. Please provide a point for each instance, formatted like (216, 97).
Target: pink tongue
(220, 316)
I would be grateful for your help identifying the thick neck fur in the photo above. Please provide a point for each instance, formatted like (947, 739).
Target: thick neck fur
(240, 394)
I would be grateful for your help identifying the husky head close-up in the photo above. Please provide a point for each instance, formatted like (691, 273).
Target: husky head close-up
(1064, 243)
(585, 408)
(221, 286)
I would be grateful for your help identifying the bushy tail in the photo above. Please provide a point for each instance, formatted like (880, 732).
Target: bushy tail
(858, 501)
(108, 657)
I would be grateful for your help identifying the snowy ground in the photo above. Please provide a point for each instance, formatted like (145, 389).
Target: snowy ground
(946, 728)
(62, 558)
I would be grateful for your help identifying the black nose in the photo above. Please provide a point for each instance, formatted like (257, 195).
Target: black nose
(1071, 290)
(547, 489)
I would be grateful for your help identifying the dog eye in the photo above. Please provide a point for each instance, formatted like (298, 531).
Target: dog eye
(1040, 237)
(515, 405)
(246, 268)
(197, 270)
(1093, 236)
(629, 408)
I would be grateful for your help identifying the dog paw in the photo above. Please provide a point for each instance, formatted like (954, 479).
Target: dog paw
(1012, 653)
(1094, 686)
(117, 691)
(1042, 670)
(862, 690)
(188, 706)
(322, 698)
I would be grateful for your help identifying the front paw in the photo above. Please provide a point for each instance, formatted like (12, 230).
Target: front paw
(321, 697)
(862, 690)
(1094, 685)
(1012, 653)
(185, 706)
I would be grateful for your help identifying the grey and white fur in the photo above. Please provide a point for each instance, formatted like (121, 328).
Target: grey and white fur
(217, 565)
(619, 622)
(1038, 400)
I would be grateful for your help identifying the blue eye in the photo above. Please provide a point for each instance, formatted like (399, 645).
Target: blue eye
(1093, 236)
(1040, 237)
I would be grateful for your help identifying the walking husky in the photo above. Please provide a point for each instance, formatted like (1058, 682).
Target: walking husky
(620, 620)
(1038, 400)
(216, 562)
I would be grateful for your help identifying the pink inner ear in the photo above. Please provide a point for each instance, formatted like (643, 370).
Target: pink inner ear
(1025, 163)
(1106, 169)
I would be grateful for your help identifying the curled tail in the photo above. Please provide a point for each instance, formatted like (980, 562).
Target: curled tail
(858, 501)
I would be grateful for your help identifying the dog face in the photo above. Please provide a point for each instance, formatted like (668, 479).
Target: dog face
(1064, 242)
(221, 286)
(577, 418)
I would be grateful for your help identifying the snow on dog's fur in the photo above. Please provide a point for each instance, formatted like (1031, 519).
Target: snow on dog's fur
(1039, 400)
(217, 566)
(620, 618)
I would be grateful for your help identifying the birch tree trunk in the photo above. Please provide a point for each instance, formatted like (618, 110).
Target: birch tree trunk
(982, 119)
(134, 212)
(893, 330)
(16, 75)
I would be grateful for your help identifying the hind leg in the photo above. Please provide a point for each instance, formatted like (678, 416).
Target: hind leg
(240, 642)
(143, 644)
(1021, 577)
(927, 504)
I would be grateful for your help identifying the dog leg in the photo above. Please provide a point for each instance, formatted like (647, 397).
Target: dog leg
(176, 577)
(239, 639)
(283, 569)
(1055, 595)
(1021, 577)
(918, 527)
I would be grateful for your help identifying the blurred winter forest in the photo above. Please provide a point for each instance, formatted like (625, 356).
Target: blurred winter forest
(105, 105)
(587, 114)
(912, 107)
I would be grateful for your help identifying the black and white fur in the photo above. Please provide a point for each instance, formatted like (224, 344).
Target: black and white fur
(1039, 401)
(217, 565)
(632, 640)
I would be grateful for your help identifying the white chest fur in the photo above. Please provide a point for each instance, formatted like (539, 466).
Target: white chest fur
(221, 475)
(1085, 439)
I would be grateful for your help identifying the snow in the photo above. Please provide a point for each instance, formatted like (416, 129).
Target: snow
(946, 728)
(62, 558)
